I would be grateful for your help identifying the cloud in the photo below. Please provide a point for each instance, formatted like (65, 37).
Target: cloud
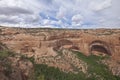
(12, 19)
(14, 11)
(77, 20)
(100, 5)
(61, 14)
(19, 12)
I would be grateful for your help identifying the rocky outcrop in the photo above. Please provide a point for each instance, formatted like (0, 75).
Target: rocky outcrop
(16, 68)
(65, 61)
(43, 43)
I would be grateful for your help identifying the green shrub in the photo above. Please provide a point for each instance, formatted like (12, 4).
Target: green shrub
(95, 67)
(50, 73)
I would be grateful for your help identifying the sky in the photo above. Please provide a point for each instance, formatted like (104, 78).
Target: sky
(75, 14)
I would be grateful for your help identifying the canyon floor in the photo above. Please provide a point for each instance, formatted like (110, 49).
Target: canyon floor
(59, 54)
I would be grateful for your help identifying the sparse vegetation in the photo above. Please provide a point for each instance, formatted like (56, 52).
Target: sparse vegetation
(5, 63)
(4, 54)
(72, 65)
(0, 31)
(96, 68)
(51, 73)
(96, 71)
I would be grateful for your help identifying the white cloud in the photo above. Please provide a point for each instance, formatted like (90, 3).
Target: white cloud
(61, 13)
(46, 22)
(119, 18)
(13, 11)
(100, 4)
(77, 20)
(18, 12)
(58, 13)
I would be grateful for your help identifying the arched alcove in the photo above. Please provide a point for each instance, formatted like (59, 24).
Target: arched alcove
(99, 48)
(63, 43)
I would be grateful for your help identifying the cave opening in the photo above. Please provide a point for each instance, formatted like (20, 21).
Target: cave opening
(99, 50)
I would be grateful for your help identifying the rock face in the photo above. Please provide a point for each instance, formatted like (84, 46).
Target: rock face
(15, 68)
(45, 42)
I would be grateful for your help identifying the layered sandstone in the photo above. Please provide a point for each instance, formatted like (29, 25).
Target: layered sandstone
(43, 44)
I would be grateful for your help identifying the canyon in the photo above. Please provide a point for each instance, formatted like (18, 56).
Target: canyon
(53, 46)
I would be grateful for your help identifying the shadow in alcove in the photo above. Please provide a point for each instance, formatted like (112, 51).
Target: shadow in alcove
(100, 48)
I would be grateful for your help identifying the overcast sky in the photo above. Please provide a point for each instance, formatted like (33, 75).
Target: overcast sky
(61, 13)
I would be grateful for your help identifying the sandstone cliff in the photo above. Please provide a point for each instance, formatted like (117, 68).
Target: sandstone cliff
(45, 44)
